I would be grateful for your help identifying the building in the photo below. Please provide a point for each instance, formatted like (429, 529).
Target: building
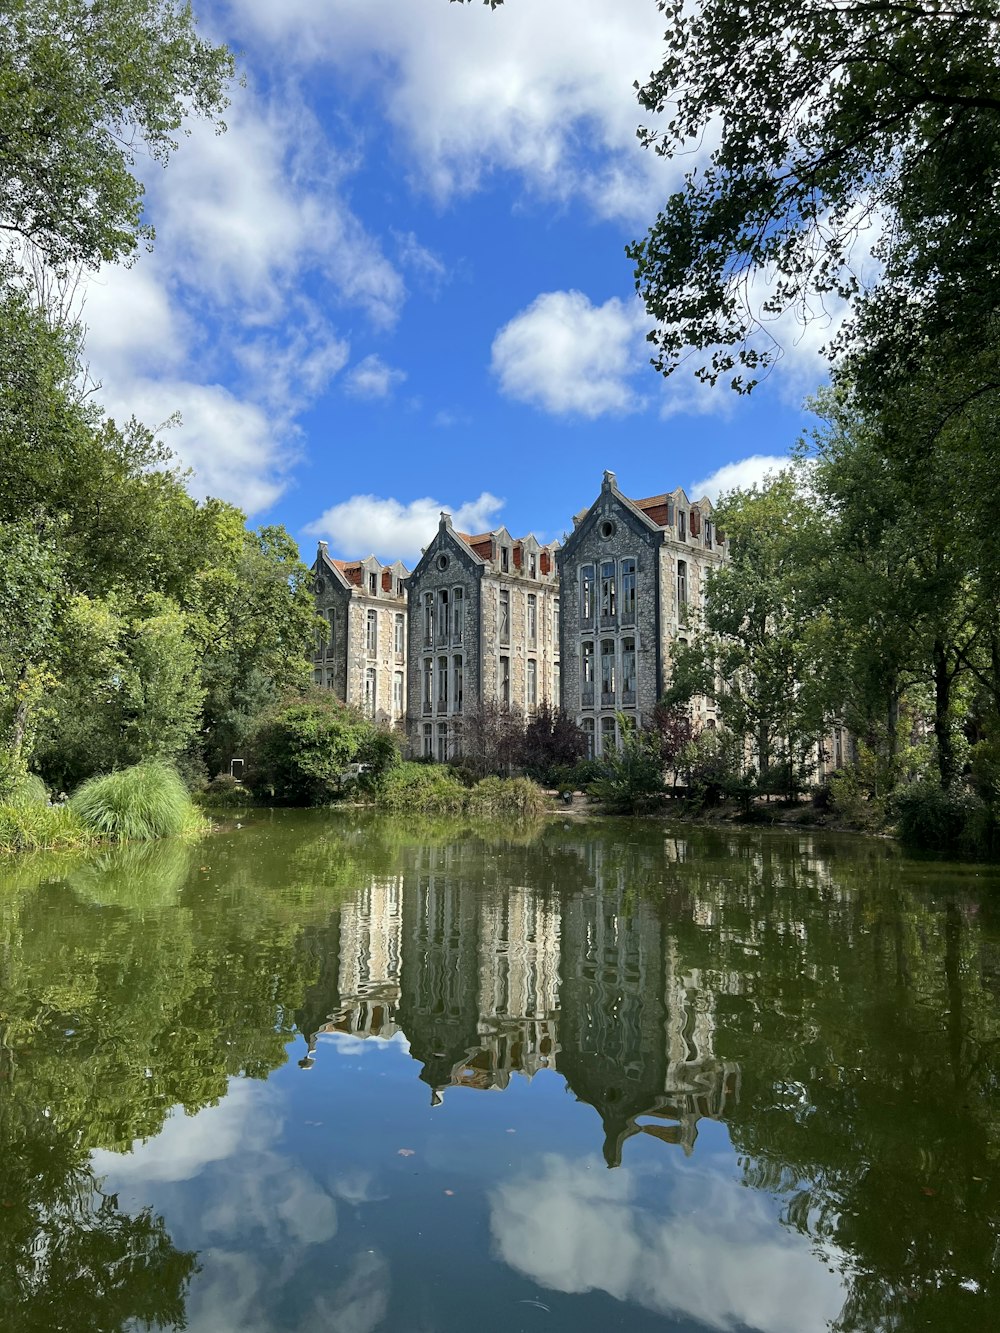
(632, 579)
(483, 630)
(364, 658)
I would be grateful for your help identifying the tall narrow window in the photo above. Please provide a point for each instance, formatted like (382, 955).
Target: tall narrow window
(608, 590)
(628, 591)
(331, 647)
(504, 560)
(532, 618)
(397, 694)
(428, 618)
(587, 595)
(428, 690)
(457, 615)
(555, 624)
(682, 583)
(318, 676)
(442, 684)
(372, 634)
(428, 741)
(442, 752)
(682, 525)
(556, 686)
(373, 584)
(532, 683)
(609, 739)
(587, 675)
(588, 731)
(444, 616)
(504, 616)
(399, 643)
(505, 681)
(329, 680)
(532, 565)
(370, 695)
(708, 533)
(628, 671)
(458, 684)
(607, 673)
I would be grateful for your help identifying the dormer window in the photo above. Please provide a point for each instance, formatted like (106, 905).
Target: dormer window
(504, 560)
(682, 525)
(373, 583)
(532, 565)
(708, 533)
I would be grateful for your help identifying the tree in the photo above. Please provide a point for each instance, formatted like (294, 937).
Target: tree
(84, 88)
(828, 117)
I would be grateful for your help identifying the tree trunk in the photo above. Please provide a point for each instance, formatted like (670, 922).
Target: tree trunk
(942, 716)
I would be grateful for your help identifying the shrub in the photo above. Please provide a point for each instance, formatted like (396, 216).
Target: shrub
(421, 788)
(225, 792)
(935, 819)
(506, 798)
(630, 778)
(41, 828)
(551, 743)
(145, 801)
(27, 790)
(299, 752)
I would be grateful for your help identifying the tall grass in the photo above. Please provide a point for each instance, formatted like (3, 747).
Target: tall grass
(41, 828)
(505, 798)
(428, 789)
(28, 790)
(137, 804)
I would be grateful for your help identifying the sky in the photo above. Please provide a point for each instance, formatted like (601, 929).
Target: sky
(397, 282)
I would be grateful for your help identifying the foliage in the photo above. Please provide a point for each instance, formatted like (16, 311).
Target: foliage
(300, 751)
(422, 789)
(630, 776)
(224, 791)
(828, 120)
(28, 790)
(505, 798)
(83, 89)
(937, 820)
(34, 827)
(146, 801)
(551, 742)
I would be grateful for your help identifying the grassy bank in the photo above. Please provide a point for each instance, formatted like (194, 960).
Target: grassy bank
(434, 789)
(137, 804)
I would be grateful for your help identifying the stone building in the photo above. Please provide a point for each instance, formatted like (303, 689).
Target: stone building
(632, 578)
(364, 659)
(483, 629)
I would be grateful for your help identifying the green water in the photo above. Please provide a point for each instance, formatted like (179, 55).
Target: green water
(327, 1072)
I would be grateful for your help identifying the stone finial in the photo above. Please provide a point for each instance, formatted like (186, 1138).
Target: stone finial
(610, 481)
(445, 519)
(324, 547)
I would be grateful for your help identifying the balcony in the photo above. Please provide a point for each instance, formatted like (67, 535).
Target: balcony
(587, 695)
(628, 698)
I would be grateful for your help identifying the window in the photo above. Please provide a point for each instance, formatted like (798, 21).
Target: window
(458, 684)
(504, 560)
(588, 731)
(628, 591)
(609, 740)
(532, 617)
(428, 618)
(555, 624)
(587, 663)
(628, 671)
(532, 565)
(428, 690)
(708, 533)
(587, 594)
(370, 694)
(397, 694)
(556, 686)
(695, 522)
(607, 672)
(317, 677)
(442, 684)
(682, 583)
(442, 753)
(505, 681)
(444, 615)
(457, 615)
(608, 590)
(504, 616)
(399, 642)
(682, 525)
(331, 616)
(373, 583)
(532, 683)
(428, 741)
(372, 635)
(329, 680)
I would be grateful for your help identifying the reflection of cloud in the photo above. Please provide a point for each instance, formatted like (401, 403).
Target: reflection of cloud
(245, 1121)
(717, 1255)
(357, 1305)
(346, 1044)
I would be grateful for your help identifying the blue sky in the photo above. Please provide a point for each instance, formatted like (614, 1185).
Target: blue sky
(398, 281)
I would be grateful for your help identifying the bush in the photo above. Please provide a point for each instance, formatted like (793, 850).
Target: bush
(506, 798)
(41, 828)
(934, 819)
(421, 788)
(225, 792)
(630, 778)
(299, 752)
(139, 803)
(26, 791)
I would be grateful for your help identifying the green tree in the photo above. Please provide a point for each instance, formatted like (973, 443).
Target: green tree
(827, 117)
(84, 88)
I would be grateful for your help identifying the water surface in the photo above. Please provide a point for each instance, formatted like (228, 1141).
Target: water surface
(333, 1072)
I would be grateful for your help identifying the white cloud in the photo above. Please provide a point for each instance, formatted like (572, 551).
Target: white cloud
(569, 357)
(545, 90)
(372, 378)
(710, 1251)
(744, 472)
(391, 529)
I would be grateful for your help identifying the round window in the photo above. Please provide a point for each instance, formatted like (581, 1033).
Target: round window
(443, 561)
(607, 528)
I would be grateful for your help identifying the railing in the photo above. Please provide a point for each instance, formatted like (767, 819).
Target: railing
(628, 697)
(586, 696)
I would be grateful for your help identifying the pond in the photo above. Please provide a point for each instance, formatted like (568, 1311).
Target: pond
(335, 1072)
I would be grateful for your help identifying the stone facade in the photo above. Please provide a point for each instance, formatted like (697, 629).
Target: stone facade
(632, 576)
(483, 629)
(364, 660)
